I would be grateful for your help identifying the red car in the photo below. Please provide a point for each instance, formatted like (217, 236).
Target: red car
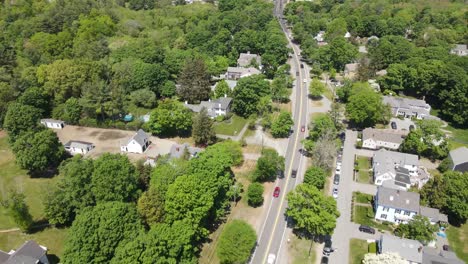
(302, 128)
(276, 192)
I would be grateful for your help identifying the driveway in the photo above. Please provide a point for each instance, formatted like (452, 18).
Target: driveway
(262, 139)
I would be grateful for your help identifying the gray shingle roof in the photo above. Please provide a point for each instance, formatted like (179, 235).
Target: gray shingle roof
(178, 150)
(29, 253)
(220, 103)
(78, 144)
(140, 137)
(351, 67)
(49, 120)
(439, 256)
(243, 71)
(398, 199)
(246, 58)
(387, 161)
(459, 155)
(411, 250)
(386, 135)
(431, 213)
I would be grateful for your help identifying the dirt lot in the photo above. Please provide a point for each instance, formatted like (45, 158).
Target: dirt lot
(109, 140)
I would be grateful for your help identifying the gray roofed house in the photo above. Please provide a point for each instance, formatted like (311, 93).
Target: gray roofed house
(245, 59)
(407, 107)
(398, 199)
(439, 256)
(459, 159)
(459, 50)
(386, 165)
(408, 249)
(351, 70)
(177, 150)
(78, 147)
(136, 144)
(235, 73)
(433, 214)
(382, 138)
(402, 177)
(29, 253)
(217, 107)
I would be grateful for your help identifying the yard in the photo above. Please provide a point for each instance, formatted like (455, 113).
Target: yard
(34, 188)
(230, 127)
(363, 169)
(458, 137)
(357, 249)
(363, 198)
(298, 249)
(364, 215)
(458, 240)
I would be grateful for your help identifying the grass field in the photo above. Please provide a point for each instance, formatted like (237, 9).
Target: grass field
(12, 176)
(299, 251)
(360, 216)
(364, 164)
(357, 250)
(231, 127)
(459, 137)
(458, 240)
(362, 198)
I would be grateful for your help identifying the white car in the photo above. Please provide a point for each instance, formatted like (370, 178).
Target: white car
(338, 164)
(305, 80)
(271, 258)
(335, 193)
(338, 170)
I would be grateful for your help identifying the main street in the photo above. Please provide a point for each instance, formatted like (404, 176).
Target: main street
(271, 234)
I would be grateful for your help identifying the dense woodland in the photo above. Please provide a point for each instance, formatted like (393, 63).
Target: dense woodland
(413, 44)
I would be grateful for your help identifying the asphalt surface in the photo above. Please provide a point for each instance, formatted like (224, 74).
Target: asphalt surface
(272, 233)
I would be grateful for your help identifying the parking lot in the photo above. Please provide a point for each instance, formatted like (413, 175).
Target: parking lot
(109, 140)
(402, 124)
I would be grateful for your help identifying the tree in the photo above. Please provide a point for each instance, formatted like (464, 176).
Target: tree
(279, 88)
(143, 98)
(202, 128)
(194, 81)
(419, 228)
(384, 258)
(268, 165)
(315, 176)
(236, 242)
(18, 210)
(7, 95)
(70, 111)
(324, 150)
(321, 125)
(426, 140)
(365, 108)
(222, 89)
(282, 125)
(311, 210)
(98, 231)
(72, 193)
(335, 55)
(141, 4)
(170, 118)
(316, 88)
(247, 94)
(20, 118)
(255, 194)
(37, 151)
(37, 98)
(114, 179)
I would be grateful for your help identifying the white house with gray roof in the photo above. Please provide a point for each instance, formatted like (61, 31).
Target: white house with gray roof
(235, 73)
(395, 206)
(249, 59)
(408, 249)
(394, 167)
(459, 159)
(29, 253)
(459, 50)
(409, 108)
(78, 147)
(382, 138)
(217, 107)
(136, 144)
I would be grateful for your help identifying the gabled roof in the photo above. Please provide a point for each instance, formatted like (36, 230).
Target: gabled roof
(386, 135)
(459, 155)
(29, 253)
(78, 144)
(140, 137)
(431, 213)
(243, 71)
(178, 150)
(246, 58)
(439, 256)
(49, 120)
(460, 47)
(408, 249)
(398, 199)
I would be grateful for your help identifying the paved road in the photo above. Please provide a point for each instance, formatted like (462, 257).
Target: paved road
(273, 230)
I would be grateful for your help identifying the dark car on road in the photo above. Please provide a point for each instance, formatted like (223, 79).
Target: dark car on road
(336, 179)
(393, 125)
(327, 249)
(366, 229)
(294, 173)
(302, 65)
(324, 260)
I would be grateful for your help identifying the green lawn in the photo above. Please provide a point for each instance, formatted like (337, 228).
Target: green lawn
(360, 216)
(459, 137)
(362, 198)
(231, 127)
(299, 251)
(458, 240)
(357, 250)
(364, 165)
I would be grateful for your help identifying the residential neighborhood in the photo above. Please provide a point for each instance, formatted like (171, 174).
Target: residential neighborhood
(226, 131)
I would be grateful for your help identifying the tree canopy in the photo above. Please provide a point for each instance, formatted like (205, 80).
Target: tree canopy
(365, 108)
(236, 242)
(269, 165)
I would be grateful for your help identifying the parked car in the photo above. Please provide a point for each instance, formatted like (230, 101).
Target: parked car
(302, 65)
(324, 260)
(293, 173)
(271, 258)
(336, 179)
(327, 249)
(393, 125)
(342, 136)
(302, 128)
(338, 163)
(338, 170)
(335, 192)
(446, 247)
(276, 192)
(366, 229)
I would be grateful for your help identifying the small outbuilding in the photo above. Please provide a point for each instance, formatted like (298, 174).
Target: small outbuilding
(136, 144)
(52, 123)
(459, 159)
(78, 147)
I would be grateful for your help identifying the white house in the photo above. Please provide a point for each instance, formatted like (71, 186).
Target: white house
(409, 108)
(459, 50)
(136, 144)
(235, 73)
(52, 123)
(29, 252)
(218, 107)
(320, 38)
(395, 206)
(395, 167)
(78, 147)
(382, 138)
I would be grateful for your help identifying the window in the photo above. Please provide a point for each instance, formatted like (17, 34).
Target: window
(397, 211)
(385, 209)
(407, 213)
(383, 216)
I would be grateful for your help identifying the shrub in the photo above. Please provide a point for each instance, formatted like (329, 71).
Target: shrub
(372, 248)
(315, 176)
(255, 194)
(370, 212)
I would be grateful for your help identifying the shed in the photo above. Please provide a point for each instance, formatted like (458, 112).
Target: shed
(53, 123)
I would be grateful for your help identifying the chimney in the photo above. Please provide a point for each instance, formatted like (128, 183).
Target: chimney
(407, 201)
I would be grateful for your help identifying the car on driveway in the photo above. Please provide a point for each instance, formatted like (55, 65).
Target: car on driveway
(336, 179)
(366, 229)
(293, 173)
(338, 170)
(276, 192)
(324, 260)
(335, 193)
(393, 125)
(327, 249)
(302, 128)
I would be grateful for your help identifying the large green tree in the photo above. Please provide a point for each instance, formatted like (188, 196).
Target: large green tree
(19, 119)
(194, 82)
(37, 151)
(365, 108)
(282, 125)
(18, 210)
(255, 194)
(170, 118)
(247, 94)
(315, 176)
(98, 231)
(316, 88)
(269, 165)
(419, 228)
(202, 128)
(236, 242)
(311, 210)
